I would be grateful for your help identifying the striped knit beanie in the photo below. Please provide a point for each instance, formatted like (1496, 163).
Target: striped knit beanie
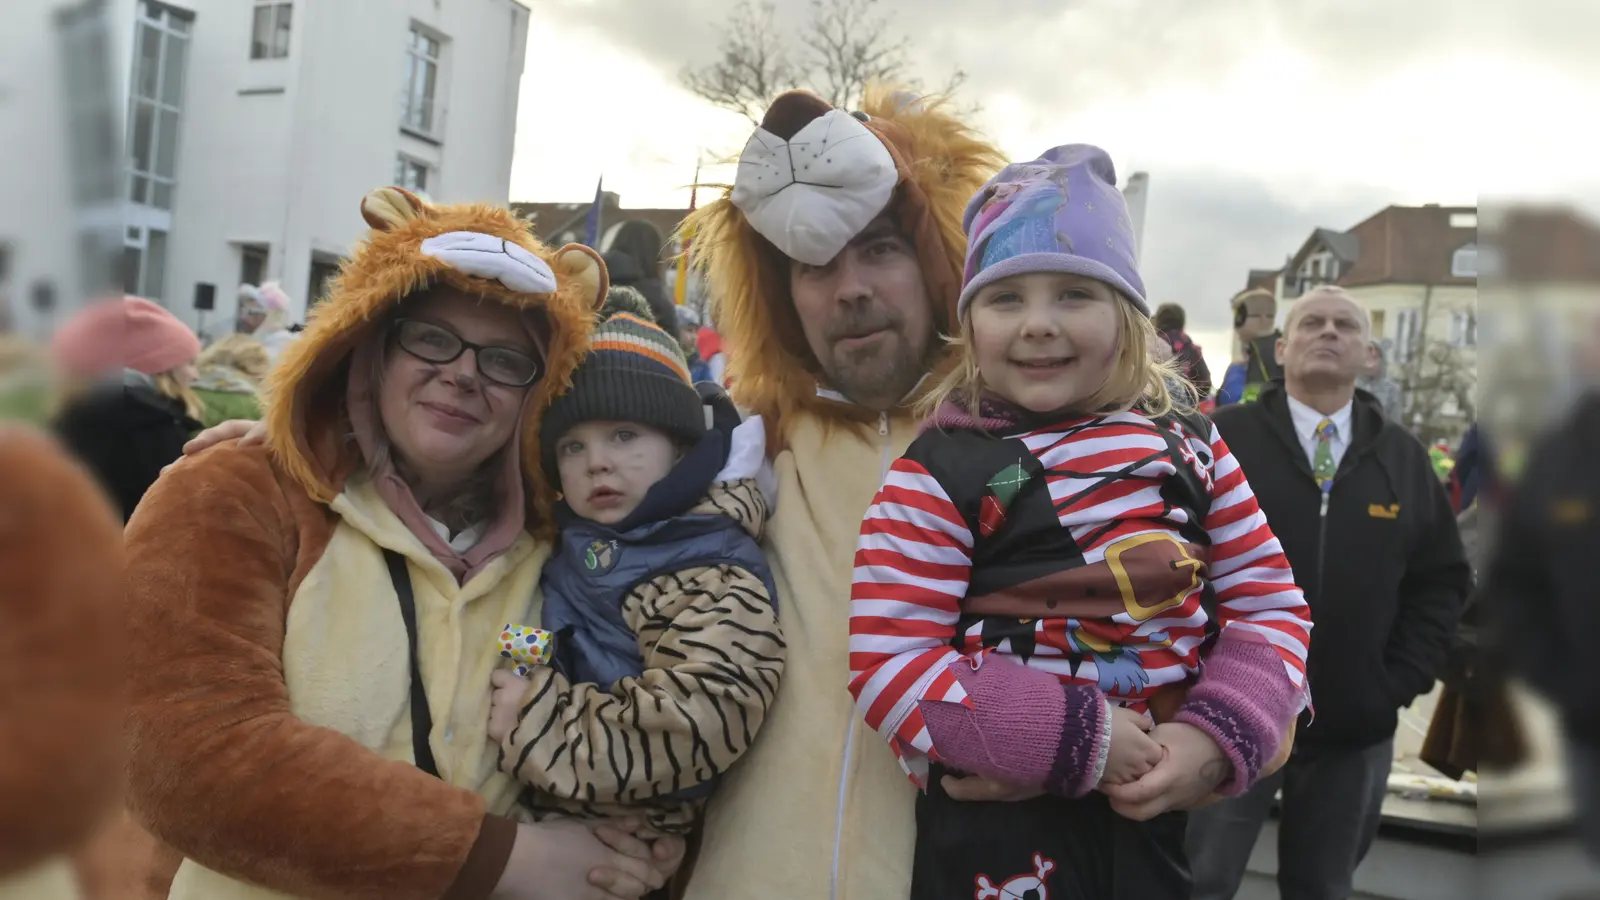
(635, 372)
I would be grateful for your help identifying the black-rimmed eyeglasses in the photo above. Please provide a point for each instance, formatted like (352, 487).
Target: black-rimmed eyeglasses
(439, 345)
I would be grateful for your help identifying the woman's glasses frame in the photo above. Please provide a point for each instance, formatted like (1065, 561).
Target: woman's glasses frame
(404, 326)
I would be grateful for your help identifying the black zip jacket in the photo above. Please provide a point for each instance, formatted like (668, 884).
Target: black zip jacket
(126, 432)
(1538, 587)
(1382, 565)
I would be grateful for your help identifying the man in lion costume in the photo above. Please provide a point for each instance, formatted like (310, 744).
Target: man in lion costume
(835, 264)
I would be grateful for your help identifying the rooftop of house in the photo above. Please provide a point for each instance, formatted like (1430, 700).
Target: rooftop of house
(1262, 279)
(564, 223)
(1397, 245)
(1544, 244)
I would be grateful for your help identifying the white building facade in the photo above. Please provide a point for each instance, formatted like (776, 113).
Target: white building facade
(254, 128)
(60, 210)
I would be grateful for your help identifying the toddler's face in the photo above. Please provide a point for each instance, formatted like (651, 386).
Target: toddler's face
(606, 468)
(1045, 341)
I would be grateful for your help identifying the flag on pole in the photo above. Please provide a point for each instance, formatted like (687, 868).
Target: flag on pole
(680, 285)
(591, 231)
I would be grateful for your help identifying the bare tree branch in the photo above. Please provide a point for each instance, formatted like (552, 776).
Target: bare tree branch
(953, 88)
(850, 49)
(846, 46)
(1439, 374)
(756, 63)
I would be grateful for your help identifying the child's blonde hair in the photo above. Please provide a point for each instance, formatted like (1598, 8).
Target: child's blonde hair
(240, 352)
(168, 386)
(1136, 380)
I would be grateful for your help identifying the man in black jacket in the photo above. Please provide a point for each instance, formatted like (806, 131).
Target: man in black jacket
(1372, 539)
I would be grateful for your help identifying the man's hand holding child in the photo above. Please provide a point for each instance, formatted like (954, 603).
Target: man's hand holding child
(1191, 767)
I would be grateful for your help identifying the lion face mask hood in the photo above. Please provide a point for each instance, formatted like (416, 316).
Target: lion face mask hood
(809, 180)
(480, 250)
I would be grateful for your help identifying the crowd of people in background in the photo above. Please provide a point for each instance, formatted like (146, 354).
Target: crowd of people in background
(125, 383)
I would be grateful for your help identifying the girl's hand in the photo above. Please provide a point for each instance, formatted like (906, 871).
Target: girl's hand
(506, 702)
(1193, 767)
(976, 788)
(1133, 752)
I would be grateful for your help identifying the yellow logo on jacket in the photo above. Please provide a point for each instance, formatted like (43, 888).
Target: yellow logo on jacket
(1379, 511)
(1571, 512)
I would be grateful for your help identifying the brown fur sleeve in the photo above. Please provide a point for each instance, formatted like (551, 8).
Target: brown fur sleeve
(60, 589)
(220, 768)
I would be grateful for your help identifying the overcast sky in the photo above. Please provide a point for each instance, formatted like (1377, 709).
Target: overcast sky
(1258, 120)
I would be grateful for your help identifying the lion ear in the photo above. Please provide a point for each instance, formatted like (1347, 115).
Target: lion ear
(388, 208)
(576, 262)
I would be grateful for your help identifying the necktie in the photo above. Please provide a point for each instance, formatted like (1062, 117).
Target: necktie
(1322, 464)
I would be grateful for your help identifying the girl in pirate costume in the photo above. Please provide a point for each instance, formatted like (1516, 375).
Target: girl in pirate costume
(1065, 587)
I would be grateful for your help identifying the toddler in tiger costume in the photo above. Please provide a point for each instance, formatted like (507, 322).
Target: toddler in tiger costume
(667, 649)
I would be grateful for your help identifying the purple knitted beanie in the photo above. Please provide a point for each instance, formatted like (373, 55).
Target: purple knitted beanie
(1059, 213)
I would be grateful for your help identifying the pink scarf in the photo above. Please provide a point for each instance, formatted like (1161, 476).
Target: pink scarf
(994, 414)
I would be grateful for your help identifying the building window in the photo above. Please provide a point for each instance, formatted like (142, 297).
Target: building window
(90, 103)
(410, 174)
(131, 257)
(1464, 262)
(1408, 334)
(1463, 329)
(252, 263)
(269, 33)
(422, 78)
(145, 263)
(323, 270)
(1377, 324)
(160, 56)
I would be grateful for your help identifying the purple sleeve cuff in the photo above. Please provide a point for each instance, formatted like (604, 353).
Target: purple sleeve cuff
(1085, 743)
(1011, 727)
(1245, 702)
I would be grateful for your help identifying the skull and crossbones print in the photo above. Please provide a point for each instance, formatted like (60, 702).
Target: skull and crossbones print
(1022, 887)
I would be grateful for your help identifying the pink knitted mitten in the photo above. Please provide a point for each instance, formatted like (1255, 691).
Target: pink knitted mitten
(1245, 702)
(1025, 727)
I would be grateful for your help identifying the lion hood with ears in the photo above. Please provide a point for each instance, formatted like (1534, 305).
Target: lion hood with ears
(413, 245)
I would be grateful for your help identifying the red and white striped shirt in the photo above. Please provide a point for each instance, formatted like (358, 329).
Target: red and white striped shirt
(1105, 476)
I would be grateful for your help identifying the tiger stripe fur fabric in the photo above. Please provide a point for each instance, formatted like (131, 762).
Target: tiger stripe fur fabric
(654, 745)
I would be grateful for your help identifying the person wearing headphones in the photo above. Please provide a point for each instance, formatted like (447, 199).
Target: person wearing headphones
(1255, 313)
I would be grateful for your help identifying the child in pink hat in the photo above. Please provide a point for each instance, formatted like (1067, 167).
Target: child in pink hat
(126, 427)
(131, 333)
